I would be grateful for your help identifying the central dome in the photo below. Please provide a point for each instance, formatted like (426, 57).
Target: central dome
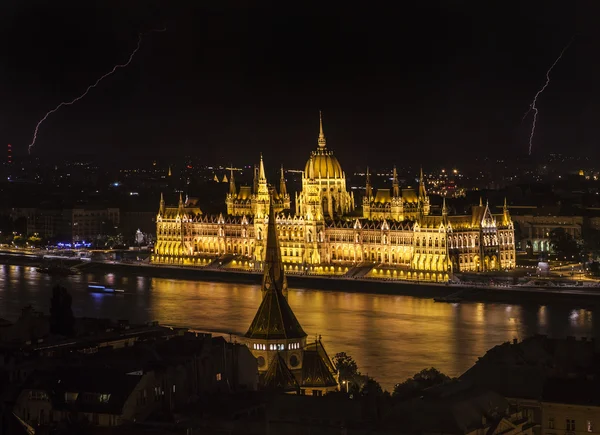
(325, 164)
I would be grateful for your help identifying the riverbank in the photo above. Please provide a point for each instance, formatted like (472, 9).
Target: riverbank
(425, 290)
(499, 294)
(586, 297)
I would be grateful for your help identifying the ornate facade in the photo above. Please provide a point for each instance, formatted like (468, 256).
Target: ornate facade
(396, 237)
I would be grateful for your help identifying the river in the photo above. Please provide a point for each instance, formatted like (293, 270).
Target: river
(390, 337)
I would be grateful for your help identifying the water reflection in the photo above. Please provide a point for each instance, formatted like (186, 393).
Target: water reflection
(391, 337)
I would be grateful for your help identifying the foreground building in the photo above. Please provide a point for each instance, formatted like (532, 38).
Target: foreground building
(395, 236)
(286, 361)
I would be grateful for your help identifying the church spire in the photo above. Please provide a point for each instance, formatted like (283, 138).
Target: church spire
(255, 180)
(368, 188)
(180, 203)
(273, 277)
(444, 209)
(321, 141)
(395, 184)
(422, 191)
(261, 170)
(274, 318)
(232, 189)
(161, 208)
(282, 187)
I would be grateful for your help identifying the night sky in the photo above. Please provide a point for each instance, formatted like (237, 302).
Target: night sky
(449, 80)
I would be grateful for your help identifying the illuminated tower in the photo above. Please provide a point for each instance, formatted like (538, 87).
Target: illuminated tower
(9, 154)
(368, 198)
(275, 328)
(286, 362)
(324, 170)
(423, 199)
(396, 207)
(282, 186)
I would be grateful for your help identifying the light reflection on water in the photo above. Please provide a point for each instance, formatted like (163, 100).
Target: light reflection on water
(391, 337)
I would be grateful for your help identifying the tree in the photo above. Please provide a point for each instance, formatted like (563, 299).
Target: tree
(346, 366)
(61, 314)
(414, 386)
(19, 241)
(564, 245)
(34, 240)
(591, 242)
(371, 386)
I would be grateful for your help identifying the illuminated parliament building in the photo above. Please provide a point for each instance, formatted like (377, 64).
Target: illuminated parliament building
(394, 236)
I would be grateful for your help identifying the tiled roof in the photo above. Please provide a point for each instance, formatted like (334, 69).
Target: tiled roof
(279, 377)
(317, 369)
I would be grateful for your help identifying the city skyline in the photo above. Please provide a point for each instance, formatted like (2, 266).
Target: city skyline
(451, 78)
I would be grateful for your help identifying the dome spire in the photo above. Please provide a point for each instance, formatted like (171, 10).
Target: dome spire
(322, 142)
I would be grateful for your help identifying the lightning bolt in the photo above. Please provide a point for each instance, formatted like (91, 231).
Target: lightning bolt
(89, 88)
(533, 108)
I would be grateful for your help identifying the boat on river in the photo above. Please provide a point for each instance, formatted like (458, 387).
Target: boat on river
(94, 287)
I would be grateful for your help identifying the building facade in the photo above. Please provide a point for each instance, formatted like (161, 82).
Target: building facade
(395, 236)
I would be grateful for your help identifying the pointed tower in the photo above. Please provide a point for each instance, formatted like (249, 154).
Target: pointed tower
(423, 199)
(180, 208)
(232, 188)
(321, 141)
(169, 173)
(261, 170)
(261, 198)
(397, 207)
(422, 191)
(161, 207)
(366, 201)
(505, 213)
(275, 328)
(395, 184)
(255, 180)
(282, 186)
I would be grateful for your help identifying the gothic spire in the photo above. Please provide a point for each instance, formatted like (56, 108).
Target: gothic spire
(368, 187)
(274, 318)
(444, 209)
(255, 180)
(321, 141)
(161, 208)
(180, 203)
(422, 191)
(232, 189)
(282, 187)
(261, 170)
(395, 184)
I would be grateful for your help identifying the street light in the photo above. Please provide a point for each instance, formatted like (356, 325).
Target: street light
(347, 385)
